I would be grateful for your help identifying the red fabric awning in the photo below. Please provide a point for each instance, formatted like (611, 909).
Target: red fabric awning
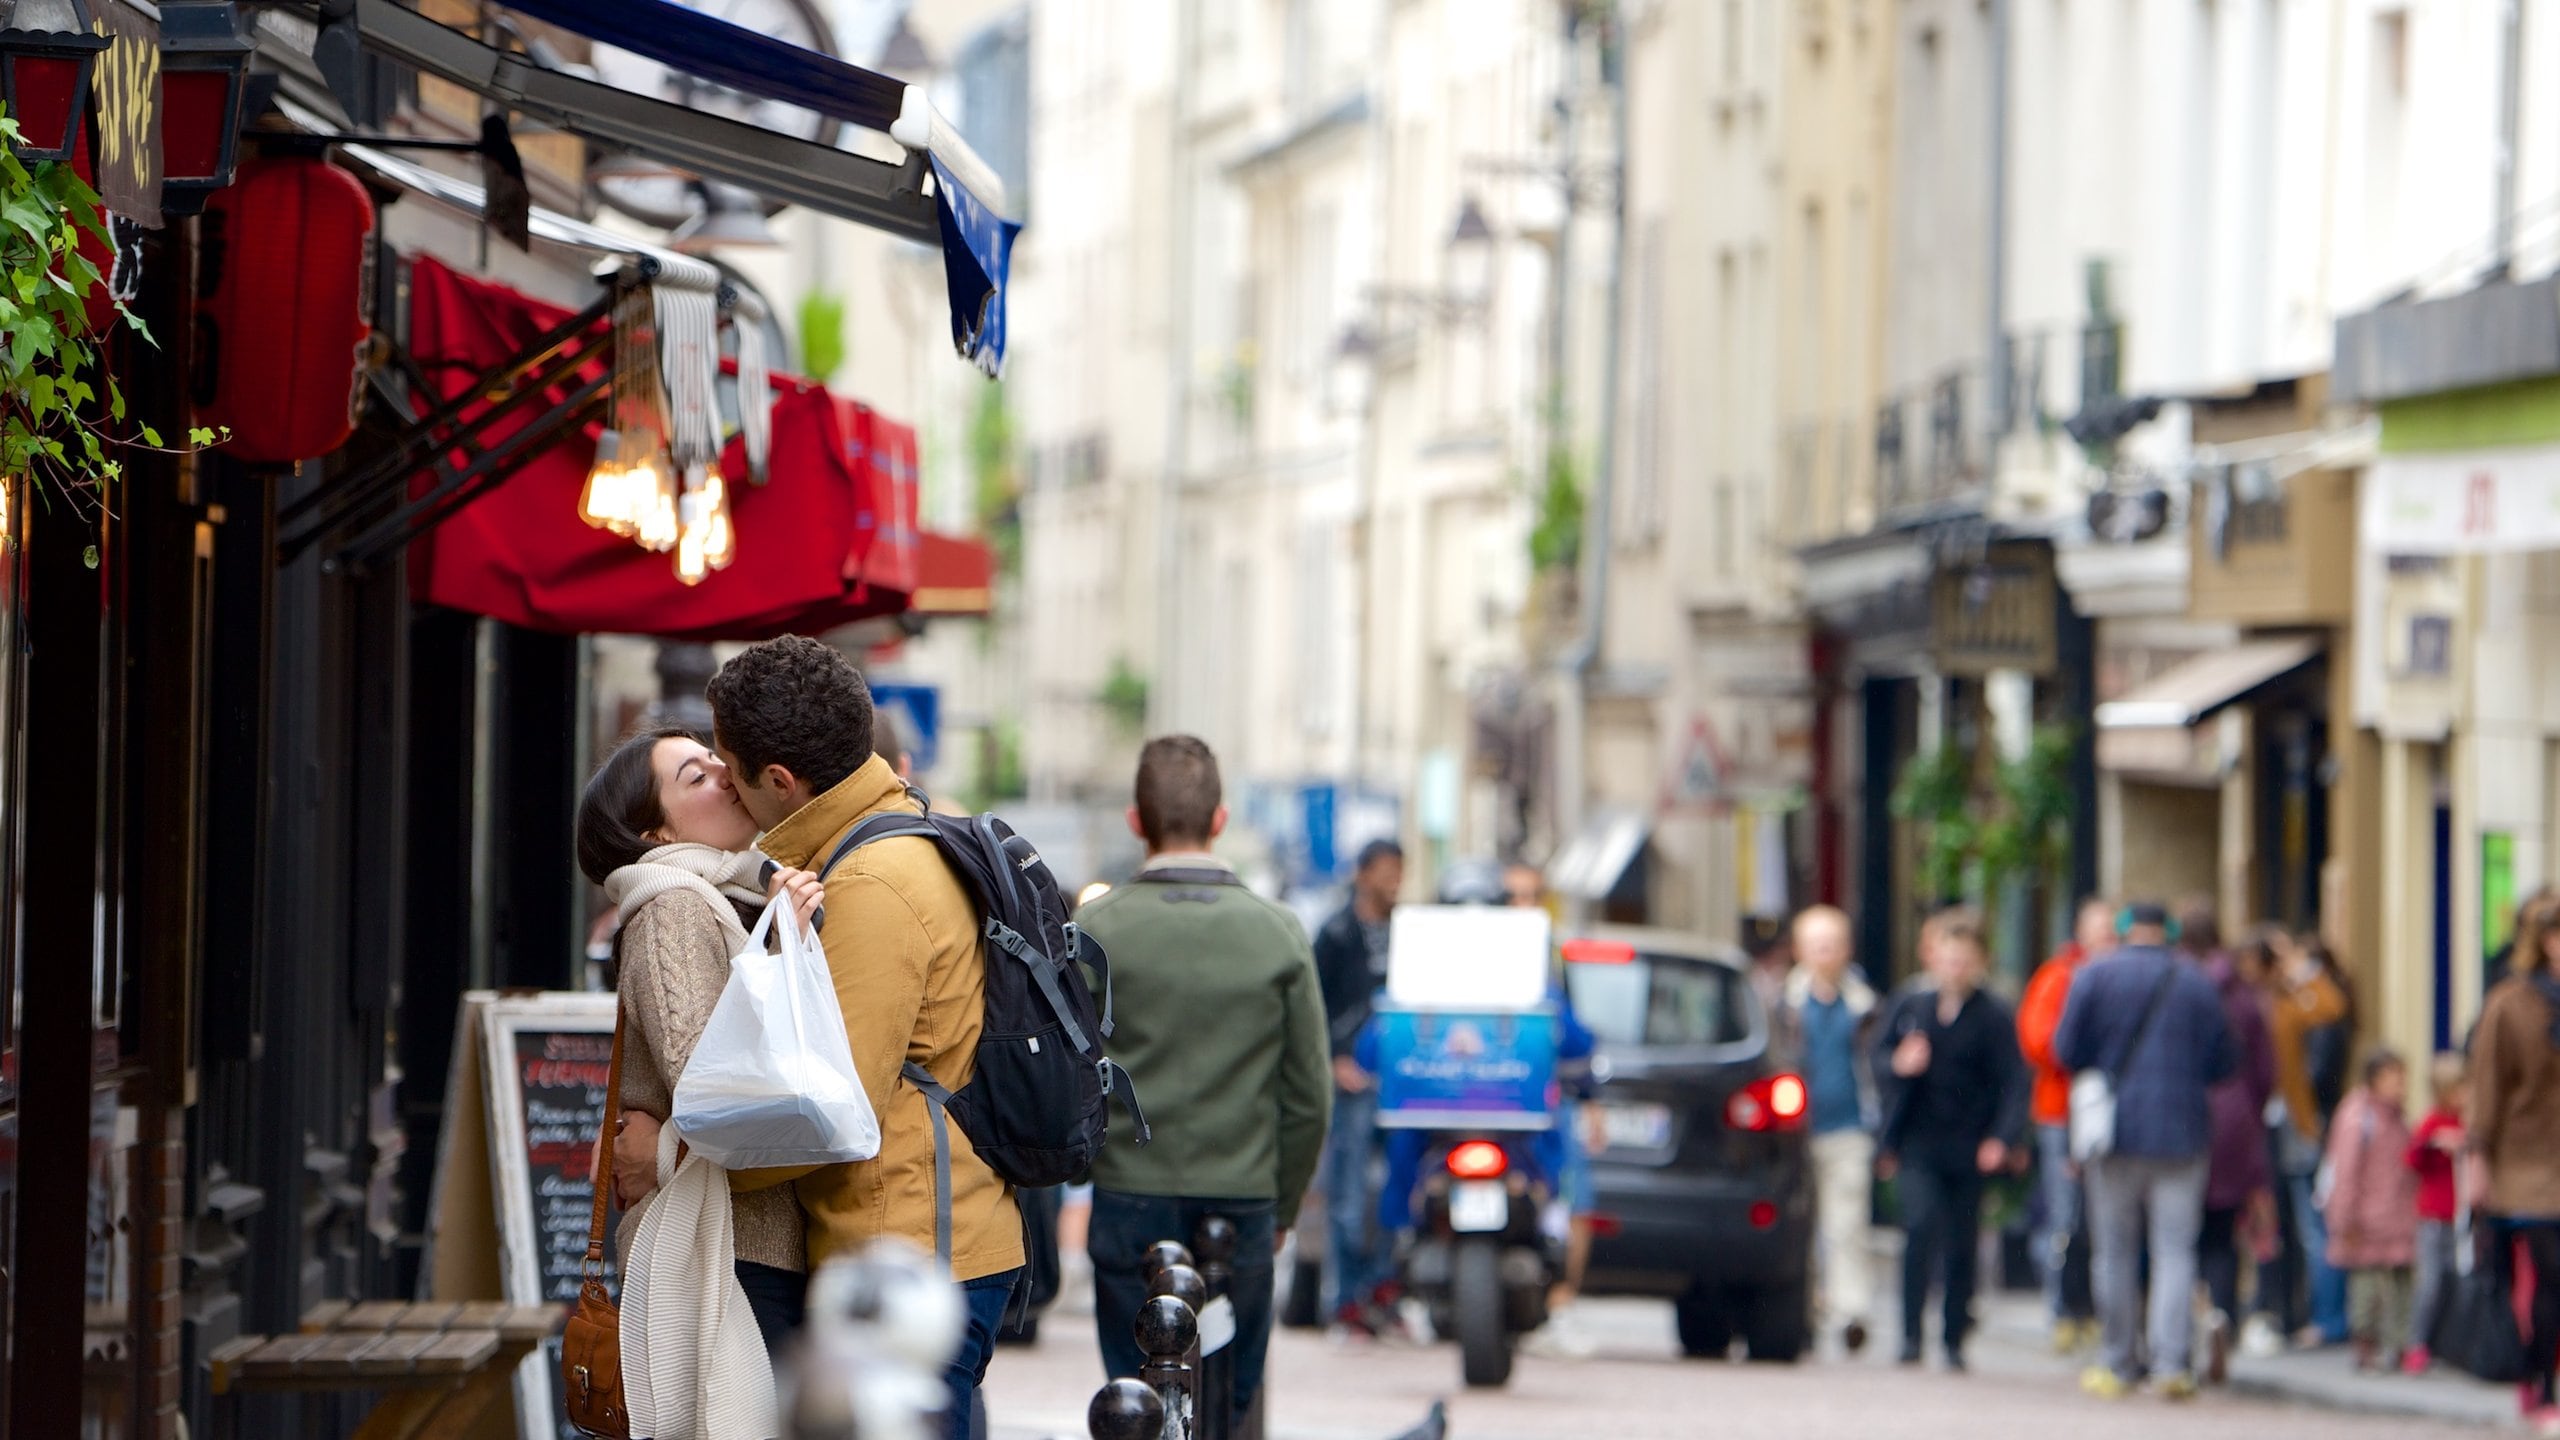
(955, 575)
(520, 553)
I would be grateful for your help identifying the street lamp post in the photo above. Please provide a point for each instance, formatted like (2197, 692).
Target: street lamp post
(1465, 300)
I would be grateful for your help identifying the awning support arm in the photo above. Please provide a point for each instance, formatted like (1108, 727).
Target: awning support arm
(471, 480)
(544, 362)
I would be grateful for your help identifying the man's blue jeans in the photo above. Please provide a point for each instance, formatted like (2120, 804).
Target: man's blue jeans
(986, 1298)
(1125, 1225)
(2328, 1284)
(2060, 1181)
(1349, 1206)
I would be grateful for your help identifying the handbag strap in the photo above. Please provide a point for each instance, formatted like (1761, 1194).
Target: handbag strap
(2142, 1026)
(602, 1170)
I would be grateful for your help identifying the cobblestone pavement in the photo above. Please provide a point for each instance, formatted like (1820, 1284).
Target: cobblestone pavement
(1637, 1388)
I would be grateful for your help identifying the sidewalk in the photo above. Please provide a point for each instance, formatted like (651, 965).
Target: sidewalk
(2325, 1379)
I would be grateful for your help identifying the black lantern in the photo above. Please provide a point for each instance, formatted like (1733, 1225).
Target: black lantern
(204, 66)
(47, 54)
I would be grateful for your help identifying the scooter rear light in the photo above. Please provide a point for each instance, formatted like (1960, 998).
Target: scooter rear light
(1763, 1214)
(1478, 1160)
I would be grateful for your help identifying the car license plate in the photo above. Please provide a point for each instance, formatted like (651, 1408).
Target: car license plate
(1478, 1206)
(1636, 1127)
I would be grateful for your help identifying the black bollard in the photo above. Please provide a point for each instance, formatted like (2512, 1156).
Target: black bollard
(1125, 1410)
(1166, 1331)
(1182, 1283)
(1161, 1254)
(1216, 1246)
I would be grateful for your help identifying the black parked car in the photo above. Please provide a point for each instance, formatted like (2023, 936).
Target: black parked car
(1704, 1194)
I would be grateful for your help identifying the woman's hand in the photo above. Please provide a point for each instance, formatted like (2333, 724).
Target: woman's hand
(635, 1158)
(806, 891)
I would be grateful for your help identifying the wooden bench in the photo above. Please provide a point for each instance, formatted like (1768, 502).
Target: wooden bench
(439, 1364)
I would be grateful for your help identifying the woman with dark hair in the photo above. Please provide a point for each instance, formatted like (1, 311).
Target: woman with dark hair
(2239, 1180)
(661, 829)
(2515, 1133)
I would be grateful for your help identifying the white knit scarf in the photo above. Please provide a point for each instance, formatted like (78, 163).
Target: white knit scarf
(693, 1364)
(717, 875)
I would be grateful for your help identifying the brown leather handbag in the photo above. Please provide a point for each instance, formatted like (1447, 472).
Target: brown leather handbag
(591, 1346)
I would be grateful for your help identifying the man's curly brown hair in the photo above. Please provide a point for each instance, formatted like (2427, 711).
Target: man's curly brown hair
(796, 703)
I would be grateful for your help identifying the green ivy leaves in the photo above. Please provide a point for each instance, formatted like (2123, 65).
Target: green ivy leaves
(50, 359)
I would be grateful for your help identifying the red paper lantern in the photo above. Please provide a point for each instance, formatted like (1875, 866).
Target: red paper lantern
(285, 268)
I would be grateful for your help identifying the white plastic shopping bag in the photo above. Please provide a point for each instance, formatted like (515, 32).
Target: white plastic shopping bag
(772, 1082)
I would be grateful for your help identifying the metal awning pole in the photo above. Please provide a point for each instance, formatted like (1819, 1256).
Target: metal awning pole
(302, 523)
(471, 481)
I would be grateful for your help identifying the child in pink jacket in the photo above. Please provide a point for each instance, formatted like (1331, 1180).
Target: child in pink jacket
(2372, 1210)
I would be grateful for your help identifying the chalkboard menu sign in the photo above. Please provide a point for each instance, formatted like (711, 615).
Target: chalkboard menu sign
(514, 1191)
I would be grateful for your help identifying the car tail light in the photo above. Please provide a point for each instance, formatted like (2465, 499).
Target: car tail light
(1599, 952)
(1787, 1097)
(1478, 1160)
(1776, 1102)
(1764, 1213)
(1607, 1227)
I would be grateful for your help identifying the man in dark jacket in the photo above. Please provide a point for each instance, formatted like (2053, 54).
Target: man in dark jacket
(2154, 1024)
(1351, 959)
(1244, 1123)
(1955, 1097)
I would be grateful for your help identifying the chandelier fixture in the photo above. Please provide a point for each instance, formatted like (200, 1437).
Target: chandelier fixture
(656, 479)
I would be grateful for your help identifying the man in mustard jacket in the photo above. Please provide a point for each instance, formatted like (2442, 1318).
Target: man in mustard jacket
(792, 720)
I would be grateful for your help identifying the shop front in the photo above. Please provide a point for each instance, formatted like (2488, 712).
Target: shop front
(1956, 641)
(295, 721)
(2457, 528)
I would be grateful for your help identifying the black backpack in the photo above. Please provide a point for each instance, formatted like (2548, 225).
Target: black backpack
(1034, 1109)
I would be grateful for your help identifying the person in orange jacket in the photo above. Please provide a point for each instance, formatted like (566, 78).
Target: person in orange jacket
(2039, 1012)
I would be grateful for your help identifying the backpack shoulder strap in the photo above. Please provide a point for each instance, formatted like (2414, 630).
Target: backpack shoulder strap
(937, 1101)
(888, 824)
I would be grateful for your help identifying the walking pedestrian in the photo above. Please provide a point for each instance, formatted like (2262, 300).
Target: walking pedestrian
(1217, 1006)
(1351, 960)
(2279, 1305)
(2434, 1149)
(2154, 1026)
(1956, 1112)
(791, 719)
(1826, 1019)
(2312, 1020)
(660, 829)
(2239, 1180)
(2372, 1210)
(2515, 1132)
(2061, 1244)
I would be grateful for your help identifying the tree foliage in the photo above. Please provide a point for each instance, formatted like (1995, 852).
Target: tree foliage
(1983, 825)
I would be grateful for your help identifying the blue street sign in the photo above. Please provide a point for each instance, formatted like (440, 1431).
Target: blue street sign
(916, 710)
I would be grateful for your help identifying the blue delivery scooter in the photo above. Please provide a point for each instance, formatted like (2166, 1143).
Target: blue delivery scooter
(1469, 1100)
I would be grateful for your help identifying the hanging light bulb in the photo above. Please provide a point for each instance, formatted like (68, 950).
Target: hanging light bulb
(720, 540)
(602, 503)
(659, 526)
(694, 511)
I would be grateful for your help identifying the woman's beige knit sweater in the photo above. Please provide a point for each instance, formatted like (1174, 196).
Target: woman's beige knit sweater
(675, 962)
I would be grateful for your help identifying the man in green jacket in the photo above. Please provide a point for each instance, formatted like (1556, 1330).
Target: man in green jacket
(1220, 1022)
